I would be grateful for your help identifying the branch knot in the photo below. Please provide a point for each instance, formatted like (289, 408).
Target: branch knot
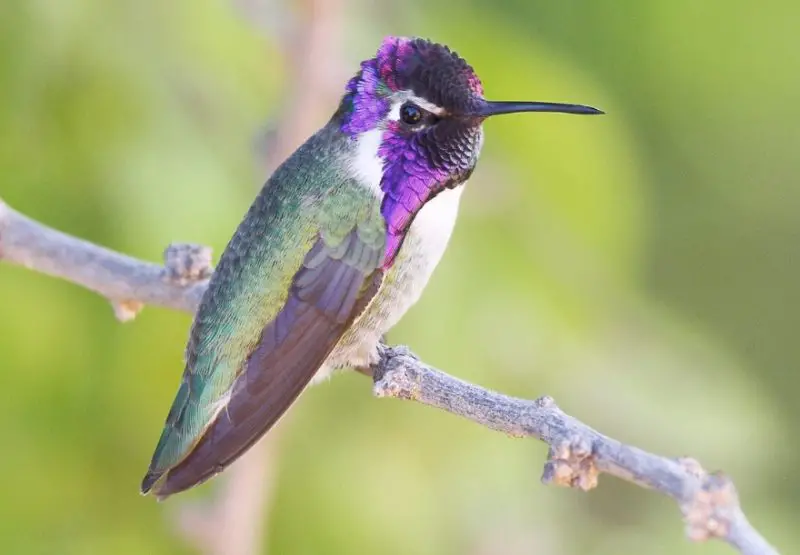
(125, 311)
(546, 402)
(396, 374)
(711, 510)
(185, 263)
(572, 463)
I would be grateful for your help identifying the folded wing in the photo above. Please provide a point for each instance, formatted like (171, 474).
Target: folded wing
(332, 287)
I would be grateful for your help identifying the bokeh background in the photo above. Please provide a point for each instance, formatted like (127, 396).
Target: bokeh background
(642, 268)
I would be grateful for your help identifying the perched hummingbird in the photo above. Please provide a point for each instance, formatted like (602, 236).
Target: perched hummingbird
(337, 246)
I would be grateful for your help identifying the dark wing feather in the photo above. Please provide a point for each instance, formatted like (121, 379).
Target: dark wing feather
(332, 288)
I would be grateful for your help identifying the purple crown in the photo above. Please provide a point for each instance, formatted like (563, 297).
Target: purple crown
(431, 71)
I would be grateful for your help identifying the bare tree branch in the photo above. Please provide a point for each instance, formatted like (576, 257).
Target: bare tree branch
(577, 454)
(126, 282)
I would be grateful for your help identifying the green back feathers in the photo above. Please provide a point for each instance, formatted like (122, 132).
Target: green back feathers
(311, 196)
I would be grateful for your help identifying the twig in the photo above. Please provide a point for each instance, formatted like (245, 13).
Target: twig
(577, 455)
(126, 282)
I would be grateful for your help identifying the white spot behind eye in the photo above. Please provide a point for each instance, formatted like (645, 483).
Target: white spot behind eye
(367, 166)
(402, 97)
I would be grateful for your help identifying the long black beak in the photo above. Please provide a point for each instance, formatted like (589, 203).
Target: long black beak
(489, 108)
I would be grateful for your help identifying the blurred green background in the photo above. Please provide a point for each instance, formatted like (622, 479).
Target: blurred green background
(642, 268)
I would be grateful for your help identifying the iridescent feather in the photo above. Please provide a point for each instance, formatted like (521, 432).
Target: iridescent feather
(301, 267)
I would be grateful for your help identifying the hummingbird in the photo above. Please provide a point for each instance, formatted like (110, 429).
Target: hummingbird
(336, 247)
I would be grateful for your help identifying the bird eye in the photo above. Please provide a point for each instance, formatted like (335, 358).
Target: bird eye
(411, 114)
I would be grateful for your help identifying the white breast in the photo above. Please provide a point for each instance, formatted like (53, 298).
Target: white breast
(403, 284)
(421, 251)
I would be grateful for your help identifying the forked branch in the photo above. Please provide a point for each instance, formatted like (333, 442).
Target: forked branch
(578, 454)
